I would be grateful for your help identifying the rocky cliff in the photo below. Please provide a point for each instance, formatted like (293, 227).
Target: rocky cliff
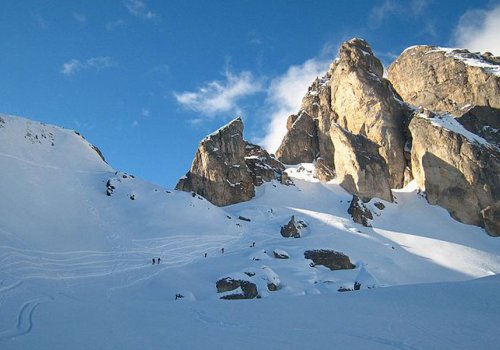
(354, 96)
(371, 134)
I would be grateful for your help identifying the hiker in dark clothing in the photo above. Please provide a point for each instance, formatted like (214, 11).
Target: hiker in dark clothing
(159, 259)
(205, 255)
(154, 261)
(222, 250)
(253, 244)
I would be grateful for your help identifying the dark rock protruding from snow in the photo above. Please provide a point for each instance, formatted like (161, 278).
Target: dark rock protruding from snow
(329, 258)
(457, 169)
(292, 228)
(226, 168)
(359, 211)
(280, 254)
(227, 284)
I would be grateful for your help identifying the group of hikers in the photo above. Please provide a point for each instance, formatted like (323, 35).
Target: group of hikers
(158, 260)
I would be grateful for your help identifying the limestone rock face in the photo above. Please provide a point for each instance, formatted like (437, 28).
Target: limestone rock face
(447, 80)
(366, 104)
(300, 144)
(219, 172)
(354, 95)
(458, 170)
(360, 168)
(226, 168)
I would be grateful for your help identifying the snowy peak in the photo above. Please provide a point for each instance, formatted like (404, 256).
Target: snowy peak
(48, 146)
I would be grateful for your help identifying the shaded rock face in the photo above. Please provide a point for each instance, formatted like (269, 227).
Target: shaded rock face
(292, 228)
(360, 168)
(354, 95)
(228, 284)
(300, 144)
(329, 258)
(226, 169)
(359, 212)
(263, 167)
(441, 80)
(457, 171)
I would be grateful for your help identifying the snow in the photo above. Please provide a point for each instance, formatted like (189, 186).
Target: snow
(469, 58)
(450, 123)
(75, 264)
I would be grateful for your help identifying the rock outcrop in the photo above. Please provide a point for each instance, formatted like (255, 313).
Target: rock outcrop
(292, 228)
(457, 169)
(447, 80)
(352, 98)
(329, 258)
(359, 212)
(226, 168)
(455, 81)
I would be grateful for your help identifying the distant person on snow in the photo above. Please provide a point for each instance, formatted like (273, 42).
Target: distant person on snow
(222, 250)
(154, 261)
(159, 259)
(205, 255)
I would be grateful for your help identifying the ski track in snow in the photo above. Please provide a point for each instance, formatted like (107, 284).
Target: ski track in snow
(24, 323)
(174, 251)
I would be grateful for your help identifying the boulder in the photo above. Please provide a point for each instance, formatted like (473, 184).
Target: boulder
(457, 169)
(359, 211)
(329, 258)
(280, 254)
(292, 228)
(248, 290)
(360, 168)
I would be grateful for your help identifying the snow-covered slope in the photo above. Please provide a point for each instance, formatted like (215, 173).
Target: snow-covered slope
(75, 262)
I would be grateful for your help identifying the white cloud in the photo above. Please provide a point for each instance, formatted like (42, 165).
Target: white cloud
(285, 95)
(389, 8)
(97, 63)
(479, 30)
(145, 112)
(220, 96)
(139, 9)
(80, 17)
(110, 26)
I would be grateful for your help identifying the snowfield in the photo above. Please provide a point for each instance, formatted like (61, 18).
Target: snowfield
(77, 239)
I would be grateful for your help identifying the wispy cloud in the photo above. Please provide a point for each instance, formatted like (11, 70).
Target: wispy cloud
(80, 17)
(478, 30)
(284, 97)
(97, 63)
(110, 26)
(388, 8)
(220, 96)
(139, 9)
(39, 20)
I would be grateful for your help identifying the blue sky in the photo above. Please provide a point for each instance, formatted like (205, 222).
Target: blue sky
(146, 80)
